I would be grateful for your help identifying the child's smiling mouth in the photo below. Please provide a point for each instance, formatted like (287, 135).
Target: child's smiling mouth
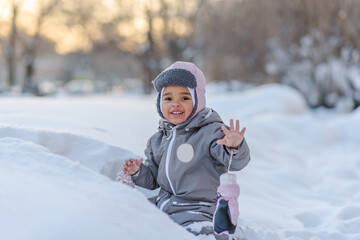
(176, 113)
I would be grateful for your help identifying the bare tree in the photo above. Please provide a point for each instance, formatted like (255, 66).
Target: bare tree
(179, 23)
(45, 9)
(11, 47)
(149, 56)
(235, 35)
(161, 42)
(81, 16)
(319, 40)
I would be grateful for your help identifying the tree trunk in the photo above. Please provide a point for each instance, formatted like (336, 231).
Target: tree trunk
(28, 85)
(150, 57)
(148, 77)
(11, 48)
(29, 57)
(31, 49)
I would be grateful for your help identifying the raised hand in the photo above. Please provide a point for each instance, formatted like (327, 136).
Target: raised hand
(233, 137)
(132, 166)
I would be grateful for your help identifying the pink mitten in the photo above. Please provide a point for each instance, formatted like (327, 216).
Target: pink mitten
(227, 209)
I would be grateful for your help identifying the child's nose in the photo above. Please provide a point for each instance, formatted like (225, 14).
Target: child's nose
(175, 103)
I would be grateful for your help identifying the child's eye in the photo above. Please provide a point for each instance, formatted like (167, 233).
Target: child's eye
(167, 99)
(186, 98)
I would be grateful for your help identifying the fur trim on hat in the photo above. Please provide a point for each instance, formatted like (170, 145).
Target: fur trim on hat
(175, 77)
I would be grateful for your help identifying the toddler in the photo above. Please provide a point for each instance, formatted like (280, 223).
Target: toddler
(191, 149)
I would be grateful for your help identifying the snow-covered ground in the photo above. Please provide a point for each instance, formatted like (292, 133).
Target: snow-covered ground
(59, 157)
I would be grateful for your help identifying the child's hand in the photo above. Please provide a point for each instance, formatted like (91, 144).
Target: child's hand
(132, 166)
(233, 137)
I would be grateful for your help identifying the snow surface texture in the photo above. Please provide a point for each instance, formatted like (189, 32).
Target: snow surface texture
(59, 156)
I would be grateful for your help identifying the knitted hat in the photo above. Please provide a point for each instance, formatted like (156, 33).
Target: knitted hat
(184, 74)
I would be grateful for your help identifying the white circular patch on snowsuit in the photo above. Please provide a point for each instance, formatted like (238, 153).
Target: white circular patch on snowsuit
(185, 152)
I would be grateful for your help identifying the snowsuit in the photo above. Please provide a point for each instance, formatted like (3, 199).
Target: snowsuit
(186, 162)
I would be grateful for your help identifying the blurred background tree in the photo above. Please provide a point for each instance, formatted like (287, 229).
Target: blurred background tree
(311, 45)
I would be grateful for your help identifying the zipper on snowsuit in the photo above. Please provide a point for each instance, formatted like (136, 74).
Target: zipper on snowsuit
(168, 155)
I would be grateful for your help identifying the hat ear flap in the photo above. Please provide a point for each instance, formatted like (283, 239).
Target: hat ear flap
(195, 103)
(158, 104)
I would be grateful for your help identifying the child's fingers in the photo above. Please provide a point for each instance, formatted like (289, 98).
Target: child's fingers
(231, 124)
(237, 126)
(138, 162)
(130, 161)
(225, 130)
(243, 131)
(126, 170)
(221, 142)
(132, 165)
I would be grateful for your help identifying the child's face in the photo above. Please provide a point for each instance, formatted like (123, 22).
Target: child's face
(177, 104)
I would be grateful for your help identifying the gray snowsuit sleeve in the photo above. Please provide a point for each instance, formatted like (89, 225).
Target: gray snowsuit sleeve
(148, 172)
(221, 153)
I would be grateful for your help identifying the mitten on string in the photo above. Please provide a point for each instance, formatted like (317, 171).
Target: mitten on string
(227, 208)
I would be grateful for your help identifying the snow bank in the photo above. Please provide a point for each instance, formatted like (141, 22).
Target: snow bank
(92, 154)
(44, 195)
(347, 126)
(117, 121)
(58, 158)
(262, 100)
(303, 181)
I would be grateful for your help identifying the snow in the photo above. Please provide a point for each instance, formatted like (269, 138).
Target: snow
(46, 196)
(59, 157)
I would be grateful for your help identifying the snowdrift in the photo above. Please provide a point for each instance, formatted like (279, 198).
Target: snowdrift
(262, 100)
(92, 154)
(58, 159)
(58, 186)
